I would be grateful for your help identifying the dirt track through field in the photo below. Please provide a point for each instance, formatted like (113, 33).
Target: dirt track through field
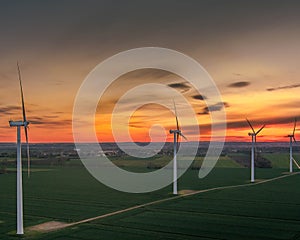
(54, 225)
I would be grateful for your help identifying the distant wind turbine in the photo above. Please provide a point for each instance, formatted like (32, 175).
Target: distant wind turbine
(253, 137)
(292, 137)
(176, 134)
(22, 123)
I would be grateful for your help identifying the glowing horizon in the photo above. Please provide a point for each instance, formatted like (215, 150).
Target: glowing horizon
(144, 118)
(253, 59)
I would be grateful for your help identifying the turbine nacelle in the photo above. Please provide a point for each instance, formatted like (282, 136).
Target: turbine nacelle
(175, 131)
(18, 123)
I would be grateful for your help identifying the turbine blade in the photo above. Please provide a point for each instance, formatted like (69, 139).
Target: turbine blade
(177, 141)
(294, 139)
(24, 119)
(183, 136)
(177, 124)
(260, 130)
(28, 155)
(22, 96)
(295, 123)
(250, 125)
(296, 163)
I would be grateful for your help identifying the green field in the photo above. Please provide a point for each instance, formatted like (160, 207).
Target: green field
(281, 160)
(264, 211)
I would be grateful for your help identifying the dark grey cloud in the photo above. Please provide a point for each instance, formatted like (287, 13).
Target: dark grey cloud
(41, 24)
(136, 125)
(199, 97)
(257, 123)
(287, 105)
(148, 73)
(283, 87)
(51, 116)
(214, 108)
(9, 109)
(48, 121)
(276, 120)
(180, 86)
(239, 84)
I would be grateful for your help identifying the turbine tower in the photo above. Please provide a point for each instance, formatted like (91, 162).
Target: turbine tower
(176, 133)
(253, 135)
(292, 138)
(18, 124)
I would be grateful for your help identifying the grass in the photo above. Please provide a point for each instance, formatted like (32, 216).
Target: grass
(151, 164)
(281, 160)
(223, 162)
(68, 194)
(244, 213)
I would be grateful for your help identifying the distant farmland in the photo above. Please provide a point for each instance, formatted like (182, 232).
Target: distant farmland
(68, 194)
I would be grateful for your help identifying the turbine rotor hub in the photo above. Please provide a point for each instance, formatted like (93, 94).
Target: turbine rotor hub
(175, 131)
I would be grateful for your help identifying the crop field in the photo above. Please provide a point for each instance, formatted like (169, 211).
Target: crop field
(264, 210)
(281, 160)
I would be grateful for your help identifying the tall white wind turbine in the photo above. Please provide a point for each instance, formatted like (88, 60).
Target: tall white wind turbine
(176, 133)
(18, 124)
(253, 135)
(292, 138)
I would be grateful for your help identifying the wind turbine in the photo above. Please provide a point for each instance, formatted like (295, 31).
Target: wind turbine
(18, 124)
(176, 133)
(292, 137)
(253, 137)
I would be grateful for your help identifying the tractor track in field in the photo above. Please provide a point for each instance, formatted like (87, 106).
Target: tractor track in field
(55, 225)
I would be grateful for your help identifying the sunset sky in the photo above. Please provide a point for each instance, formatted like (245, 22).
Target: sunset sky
(250, 48)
